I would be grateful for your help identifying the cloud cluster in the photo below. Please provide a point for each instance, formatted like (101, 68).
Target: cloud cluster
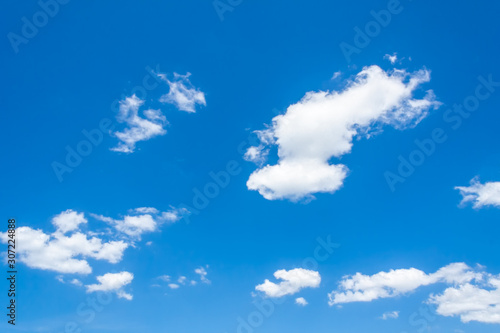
(183, 280)
(152, 123)
(366, 288)
(64, 253)
(294, 280)
(481, 195)
(323, 125)
(471, 302)
(473, 295)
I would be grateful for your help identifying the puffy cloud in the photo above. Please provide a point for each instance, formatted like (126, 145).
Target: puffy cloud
(392, 58)
(365, 288)
(68, 220)
(173, 285)
(139, 129)
(323, 125)
(113, 282)
(203, 274)
(64, 254)
(182, 93)
(471, 302)
(147, 219)
(390, 315)
(301, 301)
(256, 154)
(294, 280)
(481, 195)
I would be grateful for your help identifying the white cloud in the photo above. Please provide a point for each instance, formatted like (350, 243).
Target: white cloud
(68, 220)
(256, 154)
(471, 302)
(76, 282)
(365, 288)
(392, 58)
(136, 225)
(145, 210)
(336, 75)
(323, 125)
(301, 301)
(481, 195)
(390, 315)
(203, 274)
(182, 93)
(139, 129)
(64, 254)
(165, 278)
(173, 286)
(182, 280)
(294, 280)
(113, 282)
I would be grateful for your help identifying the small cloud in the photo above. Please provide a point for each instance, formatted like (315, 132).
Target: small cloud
(182, 93)
(139, 129)
(336, 75)
(113, 282)
(480, 195)
(182, 280)
(390, 315)
(203, 274)
(76, 282)
(293, 281)
(392, 58)
(301, 301)
(173, 286)
(165, 278)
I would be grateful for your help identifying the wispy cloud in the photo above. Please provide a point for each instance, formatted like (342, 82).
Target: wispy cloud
(139, 128)
(182, 93)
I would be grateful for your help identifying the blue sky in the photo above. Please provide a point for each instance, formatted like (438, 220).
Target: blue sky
(187, 92)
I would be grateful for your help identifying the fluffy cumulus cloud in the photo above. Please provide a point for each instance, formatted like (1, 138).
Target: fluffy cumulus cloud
(471, 294)
(182, 93)
(301, 301)
(138, 128)
(471, 302)
(142, 220)
(365, 288)
(323, 125)
(68, 220)
(481, 195)
(62, 252)
(113, 282)
(292, 282)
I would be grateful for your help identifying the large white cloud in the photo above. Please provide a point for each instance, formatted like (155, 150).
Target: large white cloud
(471, 302)
(294, 280)
(323, 124)
(365, 288)
(139, 129)
(64, 253)
(113, 282)
(182, 93)
(481, 195)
